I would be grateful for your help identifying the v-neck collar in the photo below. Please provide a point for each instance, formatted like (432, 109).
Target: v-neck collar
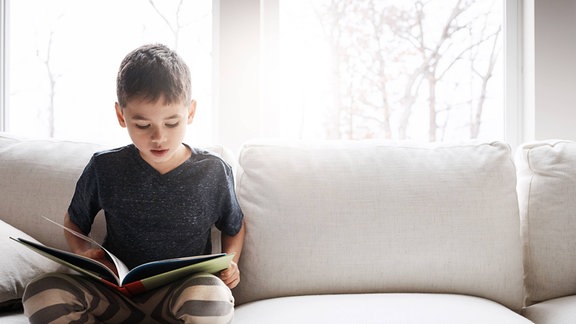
(150, 170)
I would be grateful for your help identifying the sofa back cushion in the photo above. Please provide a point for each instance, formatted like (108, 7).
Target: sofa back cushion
(547, 200)
(373, 217)
(38, 178)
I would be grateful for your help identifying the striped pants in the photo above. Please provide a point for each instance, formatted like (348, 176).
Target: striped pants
(65, 298)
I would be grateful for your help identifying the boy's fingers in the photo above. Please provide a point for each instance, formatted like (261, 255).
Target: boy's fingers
(232, 281)
(227, 274)
(231, 276)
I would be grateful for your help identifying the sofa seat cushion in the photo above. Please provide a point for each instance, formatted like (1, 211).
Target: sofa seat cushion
(376, 308)
(13, 318)
(558, 310)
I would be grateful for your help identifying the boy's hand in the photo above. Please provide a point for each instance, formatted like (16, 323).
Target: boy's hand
(231, 276)
(100, 256)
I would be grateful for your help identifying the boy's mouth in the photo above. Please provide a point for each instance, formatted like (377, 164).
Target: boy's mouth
(159, 152)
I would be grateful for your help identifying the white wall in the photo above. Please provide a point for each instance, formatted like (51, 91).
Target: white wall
(550, 68)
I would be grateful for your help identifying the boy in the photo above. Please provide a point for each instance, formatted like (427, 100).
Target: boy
(160, 198)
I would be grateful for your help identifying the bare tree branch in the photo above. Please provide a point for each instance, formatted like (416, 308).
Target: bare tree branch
(174, 28)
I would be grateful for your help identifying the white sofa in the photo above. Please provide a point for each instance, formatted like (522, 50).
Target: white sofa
(355, 232)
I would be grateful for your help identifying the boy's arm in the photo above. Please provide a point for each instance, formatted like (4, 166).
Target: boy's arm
(232, 244)
(76, 244)
(82, 247)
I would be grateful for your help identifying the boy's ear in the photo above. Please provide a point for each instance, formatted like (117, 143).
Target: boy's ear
(191, 111)
(120, 115)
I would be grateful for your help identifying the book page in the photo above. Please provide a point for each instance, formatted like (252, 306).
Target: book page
(121, 268)
(74, 261)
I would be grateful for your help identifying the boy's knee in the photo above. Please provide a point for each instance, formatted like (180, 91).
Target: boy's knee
(204, 298)
(50, 297)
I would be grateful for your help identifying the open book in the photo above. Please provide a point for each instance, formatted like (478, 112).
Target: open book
(142, 278)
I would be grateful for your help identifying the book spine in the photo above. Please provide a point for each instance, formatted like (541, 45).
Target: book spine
(127, 290)
(133, 288)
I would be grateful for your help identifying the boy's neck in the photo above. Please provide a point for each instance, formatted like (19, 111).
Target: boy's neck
(182, 155)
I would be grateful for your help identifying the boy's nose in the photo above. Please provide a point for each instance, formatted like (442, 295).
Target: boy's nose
(157, 135)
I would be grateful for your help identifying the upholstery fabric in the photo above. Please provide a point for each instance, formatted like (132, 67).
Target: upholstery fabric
(374, 217)
(38, 179)
(42, 175)
(20, 265)
(377, 309)
(547, 200)
(559, 311)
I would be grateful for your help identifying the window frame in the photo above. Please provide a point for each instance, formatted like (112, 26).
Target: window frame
(3, 64)
(514, 114)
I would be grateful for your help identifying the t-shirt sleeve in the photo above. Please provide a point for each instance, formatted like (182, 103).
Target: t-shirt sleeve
(230, 221)
(85, 203)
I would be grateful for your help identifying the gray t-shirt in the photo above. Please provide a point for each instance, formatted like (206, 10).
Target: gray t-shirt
(152, 216)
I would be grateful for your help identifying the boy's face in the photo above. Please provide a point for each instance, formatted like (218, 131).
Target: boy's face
(157, 130)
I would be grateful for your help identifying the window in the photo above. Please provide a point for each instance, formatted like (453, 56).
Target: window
(63, 57)
(401, 70)
(310, 69)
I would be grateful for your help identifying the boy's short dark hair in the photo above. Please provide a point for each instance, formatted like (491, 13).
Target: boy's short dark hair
(152, 71)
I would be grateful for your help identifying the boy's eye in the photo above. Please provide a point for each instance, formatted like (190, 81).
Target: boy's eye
(172, 125)
(142, 126)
